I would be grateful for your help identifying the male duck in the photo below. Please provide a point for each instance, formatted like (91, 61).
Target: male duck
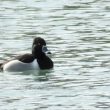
(37, 60)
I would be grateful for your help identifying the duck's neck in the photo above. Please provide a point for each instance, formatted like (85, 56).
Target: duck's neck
(39, 56)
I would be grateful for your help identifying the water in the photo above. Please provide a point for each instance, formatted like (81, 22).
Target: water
(78, 34)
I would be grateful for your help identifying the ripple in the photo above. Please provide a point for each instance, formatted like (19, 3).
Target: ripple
(77, 33)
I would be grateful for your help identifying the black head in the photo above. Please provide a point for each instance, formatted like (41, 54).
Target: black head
(39, 41)
(39, 47)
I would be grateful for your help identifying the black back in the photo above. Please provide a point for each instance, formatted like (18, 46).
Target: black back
(26, 58)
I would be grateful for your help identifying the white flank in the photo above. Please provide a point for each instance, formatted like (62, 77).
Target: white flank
(16, 65)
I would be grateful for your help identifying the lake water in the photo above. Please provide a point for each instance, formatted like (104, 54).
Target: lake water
(78, 34)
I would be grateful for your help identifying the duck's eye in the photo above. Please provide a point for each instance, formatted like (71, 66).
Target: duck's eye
(39, 44)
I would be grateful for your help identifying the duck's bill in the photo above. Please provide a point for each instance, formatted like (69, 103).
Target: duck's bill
(45, 50)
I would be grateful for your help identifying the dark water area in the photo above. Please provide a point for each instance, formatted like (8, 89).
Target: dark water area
(78, 34)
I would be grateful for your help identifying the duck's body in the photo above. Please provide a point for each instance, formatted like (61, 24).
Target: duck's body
(35, 61)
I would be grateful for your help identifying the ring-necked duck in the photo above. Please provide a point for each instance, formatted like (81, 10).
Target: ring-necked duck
(37, 60)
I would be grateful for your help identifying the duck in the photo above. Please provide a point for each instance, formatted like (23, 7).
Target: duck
(36, 60)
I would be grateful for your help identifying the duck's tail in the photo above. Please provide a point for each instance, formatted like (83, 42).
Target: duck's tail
(1, 66)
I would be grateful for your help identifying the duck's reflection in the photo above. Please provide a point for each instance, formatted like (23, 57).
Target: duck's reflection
(42, 75)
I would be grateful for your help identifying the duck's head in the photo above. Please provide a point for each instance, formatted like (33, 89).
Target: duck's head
(39, 47)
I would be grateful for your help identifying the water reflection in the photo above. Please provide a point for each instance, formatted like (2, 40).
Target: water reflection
(41, 75)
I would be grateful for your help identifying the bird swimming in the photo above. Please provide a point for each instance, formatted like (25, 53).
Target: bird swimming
(37, 59)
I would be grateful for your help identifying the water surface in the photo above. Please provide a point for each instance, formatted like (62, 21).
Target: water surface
(78, 34)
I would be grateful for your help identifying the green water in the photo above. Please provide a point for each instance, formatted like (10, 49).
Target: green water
(78, 34)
